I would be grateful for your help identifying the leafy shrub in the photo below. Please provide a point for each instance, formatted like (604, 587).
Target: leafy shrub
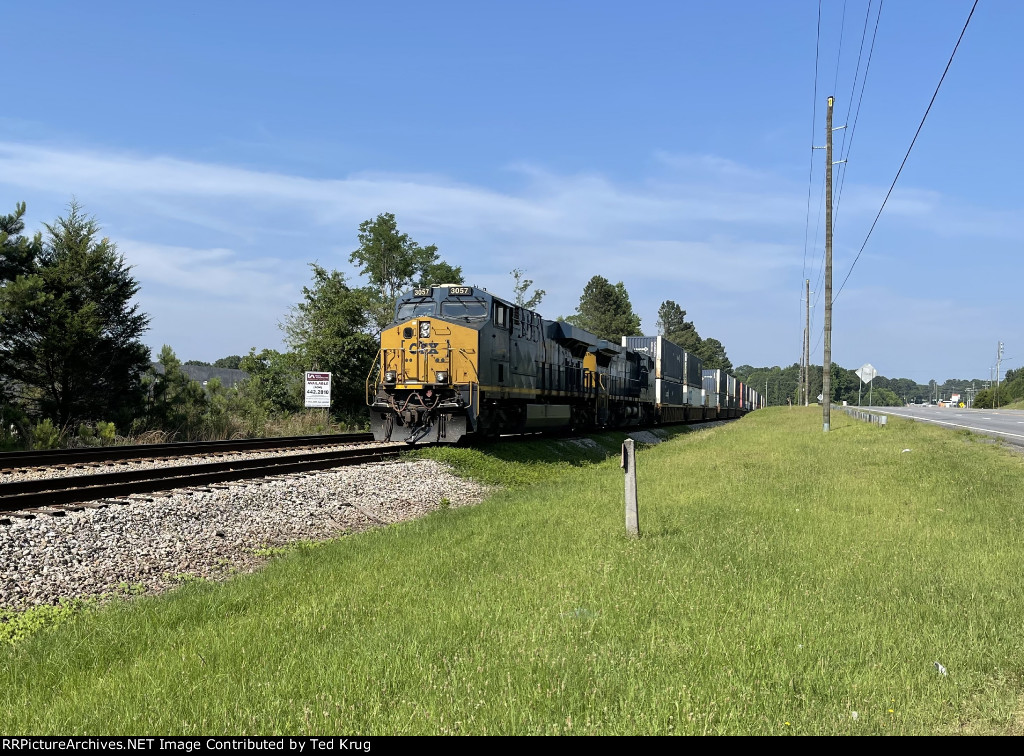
(106, 432)
(45, 436)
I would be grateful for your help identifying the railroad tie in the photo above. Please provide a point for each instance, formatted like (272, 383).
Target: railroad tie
(369, 515)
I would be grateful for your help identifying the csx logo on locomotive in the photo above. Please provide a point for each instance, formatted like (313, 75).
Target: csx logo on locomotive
(422, 347)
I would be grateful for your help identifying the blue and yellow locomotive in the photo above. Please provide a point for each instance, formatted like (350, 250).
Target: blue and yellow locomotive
(459, 361)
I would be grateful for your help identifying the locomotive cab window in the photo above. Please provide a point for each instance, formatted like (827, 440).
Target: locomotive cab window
(413, 309)
(471, 310)
(501, 315)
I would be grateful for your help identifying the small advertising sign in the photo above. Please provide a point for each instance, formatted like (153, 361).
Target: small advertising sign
(318, 389)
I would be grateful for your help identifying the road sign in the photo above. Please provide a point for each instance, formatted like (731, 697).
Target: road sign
(866, 372)
(318, 389)
(820, 397)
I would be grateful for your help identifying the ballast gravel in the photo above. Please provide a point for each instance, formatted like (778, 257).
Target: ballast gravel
(150, 546)
(12, 475)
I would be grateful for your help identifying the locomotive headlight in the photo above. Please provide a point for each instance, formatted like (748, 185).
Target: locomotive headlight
(390, 376)
(441, 376)
(425, 330)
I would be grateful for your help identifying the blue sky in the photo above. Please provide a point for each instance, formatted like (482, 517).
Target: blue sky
(665, 144)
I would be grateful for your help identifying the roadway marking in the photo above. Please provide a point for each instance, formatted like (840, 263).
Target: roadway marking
(968, 427)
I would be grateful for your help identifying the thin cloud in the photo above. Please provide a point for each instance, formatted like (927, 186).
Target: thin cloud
(234, 243)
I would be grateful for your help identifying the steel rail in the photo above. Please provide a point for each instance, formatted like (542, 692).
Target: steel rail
(21, 495)
(53, 457)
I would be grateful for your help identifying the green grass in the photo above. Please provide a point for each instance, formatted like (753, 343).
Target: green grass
(784, 579)
(525, 463)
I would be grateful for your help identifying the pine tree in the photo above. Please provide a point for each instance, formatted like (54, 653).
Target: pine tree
(69, 336)
(605, 311)
(673, 325)
(712, 355)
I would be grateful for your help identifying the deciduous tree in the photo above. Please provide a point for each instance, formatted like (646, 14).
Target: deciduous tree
(232, 362)
(521, 286)
(326, 330)
(393, 262)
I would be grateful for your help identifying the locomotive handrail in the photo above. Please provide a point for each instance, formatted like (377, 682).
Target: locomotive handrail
(371, 377)
(465, 353)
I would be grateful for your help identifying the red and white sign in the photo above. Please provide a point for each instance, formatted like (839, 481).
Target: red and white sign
(318, 389)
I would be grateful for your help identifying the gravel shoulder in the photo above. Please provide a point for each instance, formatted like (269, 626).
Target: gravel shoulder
(150, 546)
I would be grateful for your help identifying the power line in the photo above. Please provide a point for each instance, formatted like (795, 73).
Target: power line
(814, 126)
(835, 86)
(839, 54)
(844, 146)
(911, 147)
(867, 69)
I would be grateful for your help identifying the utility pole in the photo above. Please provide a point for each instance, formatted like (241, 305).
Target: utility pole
(800, 379)
(826, 367)
(999, 361)
(807, 343)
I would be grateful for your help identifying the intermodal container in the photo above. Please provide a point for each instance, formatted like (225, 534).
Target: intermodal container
(693, 375)
(712, 381)
(669, 359)
(669, 393)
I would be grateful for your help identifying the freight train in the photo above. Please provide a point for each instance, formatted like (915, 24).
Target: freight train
(459, 362)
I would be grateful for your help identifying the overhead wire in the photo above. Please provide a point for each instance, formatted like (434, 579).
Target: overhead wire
(839, 54)
(814, 126)
(913, 141)
(845, 149)
(810, 171)
(839, 59)
(848, 146)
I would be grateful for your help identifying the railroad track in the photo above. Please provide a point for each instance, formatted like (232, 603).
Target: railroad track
(55, 496)
(20, 460)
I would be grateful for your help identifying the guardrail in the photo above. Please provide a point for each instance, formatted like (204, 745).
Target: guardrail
(868, 417)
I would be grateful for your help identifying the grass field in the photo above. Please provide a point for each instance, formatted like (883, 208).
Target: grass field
(786, 581)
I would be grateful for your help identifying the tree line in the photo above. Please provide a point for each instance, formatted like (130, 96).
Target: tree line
(73, 364)
(780, 386)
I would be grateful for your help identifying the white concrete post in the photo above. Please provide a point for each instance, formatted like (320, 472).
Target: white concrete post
(629, 467)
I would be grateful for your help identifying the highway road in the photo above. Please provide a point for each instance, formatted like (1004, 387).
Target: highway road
(1005, 424)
